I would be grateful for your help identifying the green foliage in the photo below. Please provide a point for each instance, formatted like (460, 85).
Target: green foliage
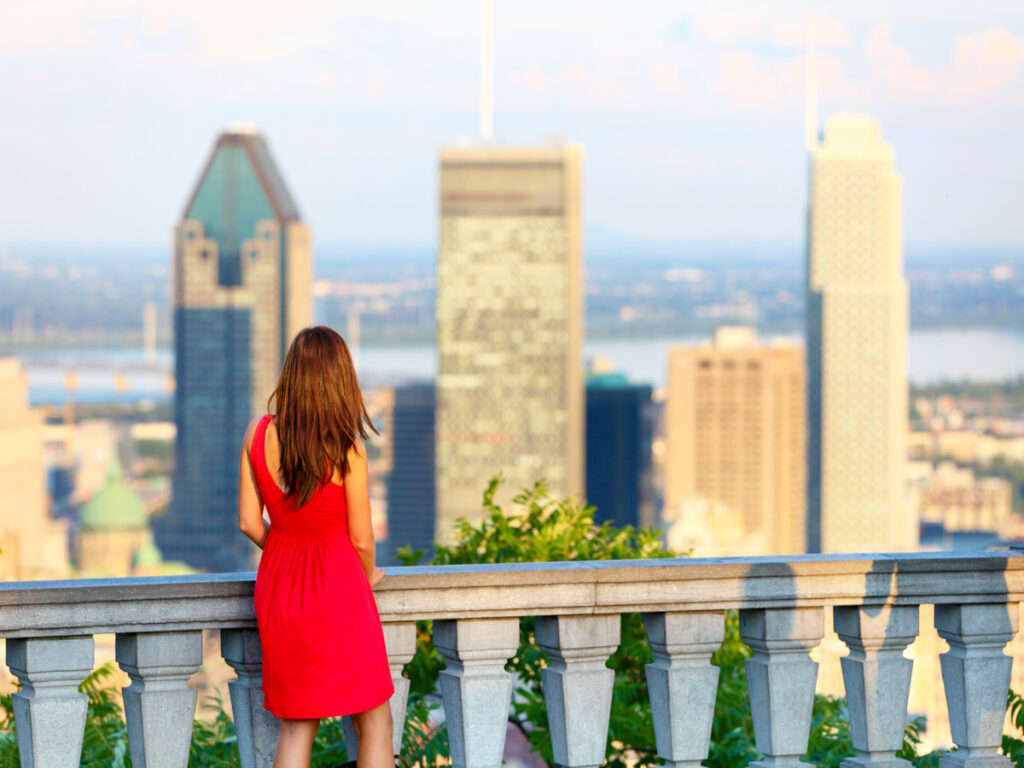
(829, 741)
(105, 742)
(8, 737)
(732, 731)
(106, 738)
(1008, 393)
(329, 746)
(214, 743)
(912, 742)
(541, 529)
(424, 737)
(1013, 747)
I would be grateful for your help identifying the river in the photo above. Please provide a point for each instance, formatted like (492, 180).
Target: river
(982, 354)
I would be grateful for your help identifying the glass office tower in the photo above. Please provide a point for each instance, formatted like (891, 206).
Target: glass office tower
(509, 324)
(242, 290)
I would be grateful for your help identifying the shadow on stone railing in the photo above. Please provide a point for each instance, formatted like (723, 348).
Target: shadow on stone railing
(476, 612)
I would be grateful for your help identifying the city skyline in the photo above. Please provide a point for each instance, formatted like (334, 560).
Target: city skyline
(699, 110)
(543, 418)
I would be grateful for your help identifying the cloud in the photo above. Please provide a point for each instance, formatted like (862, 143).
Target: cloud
(987, 63)
(225, 31)
(728, 27)
(823, 32)
(740, 79)
(746, 28)
(986, 66)
(50, 27)
(894, 66)
(662, 83)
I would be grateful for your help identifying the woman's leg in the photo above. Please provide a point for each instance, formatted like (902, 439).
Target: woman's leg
(374, 731)
(295, 743)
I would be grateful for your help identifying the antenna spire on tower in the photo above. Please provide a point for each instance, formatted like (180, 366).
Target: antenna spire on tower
(486, 71)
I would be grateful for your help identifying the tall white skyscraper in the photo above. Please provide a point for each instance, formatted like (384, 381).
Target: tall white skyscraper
(509, 324)
(856, 344)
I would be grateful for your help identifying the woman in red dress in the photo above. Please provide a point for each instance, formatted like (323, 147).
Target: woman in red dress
(323, 646)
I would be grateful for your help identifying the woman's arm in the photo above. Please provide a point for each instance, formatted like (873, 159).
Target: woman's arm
(250, 505)
(357, 498)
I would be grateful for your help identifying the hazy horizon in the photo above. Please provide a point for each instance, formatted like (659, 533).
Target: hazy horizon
(651, 251)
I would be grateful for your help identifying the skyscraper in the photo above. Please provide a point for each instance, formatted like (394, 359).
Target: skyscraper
(856, 344)
(509, 324)
(619, 425)
(242, 290)
(411, 487)
(735, 428)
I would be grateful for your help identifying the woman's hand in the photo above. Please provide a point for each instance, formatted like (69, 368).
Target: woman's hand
(376, 576)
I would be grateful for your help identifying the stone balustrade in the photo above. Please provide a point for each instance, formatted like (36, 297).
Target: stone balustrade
(49, 628)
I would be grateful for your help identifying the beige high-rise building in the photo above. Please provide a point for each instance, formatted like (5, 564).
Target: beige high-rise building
(509, 324)
(32, 544)
(856, 345)
(735, 465)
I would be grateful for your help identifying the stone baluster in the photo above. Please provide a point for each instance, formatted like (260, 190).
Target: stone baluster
(159, 706)
(257, 728)
(781, 679)
(400, 641)
(877, 679)
(49, 710)
(976, 675)
(682, 683)
(578, 685)
(476, 687)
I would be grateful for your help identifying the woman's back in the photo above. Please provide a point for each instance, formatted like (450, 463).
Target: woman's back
(325, 514)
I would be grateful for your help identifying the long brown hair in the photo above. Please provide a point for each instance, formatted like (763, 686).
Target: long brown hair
(320, 411)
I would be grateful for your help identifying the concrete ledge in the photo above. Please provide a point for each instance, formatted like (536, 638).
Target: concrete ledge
(89, 606)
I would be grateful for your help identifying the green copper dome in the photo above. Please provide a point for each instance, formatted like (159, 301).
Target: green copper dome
(148, 554)
(115, 506)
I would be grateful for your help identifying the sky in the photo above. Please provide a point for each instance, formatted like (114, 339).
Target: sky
(692, 113)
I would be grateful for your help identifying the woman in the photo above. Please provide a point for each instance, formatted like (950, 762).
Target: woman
(323, 646)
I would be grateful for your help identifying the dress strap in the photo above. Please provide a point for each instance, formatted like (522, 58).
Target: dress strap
(257, 451)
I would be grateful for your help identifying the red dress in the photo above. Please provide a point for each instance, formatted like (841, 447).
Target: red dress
(323, 646)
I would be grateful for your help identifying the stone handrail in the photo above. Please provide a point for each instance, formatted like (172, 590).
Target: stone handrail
(158, 621)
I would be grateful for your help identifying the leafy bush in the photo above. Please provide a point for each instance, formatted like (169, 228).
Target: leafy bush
(541, 529)
(1013, 747)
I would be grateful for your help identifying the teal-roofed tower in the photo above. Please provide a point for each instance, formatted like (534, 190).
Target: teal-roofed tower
(242, 290)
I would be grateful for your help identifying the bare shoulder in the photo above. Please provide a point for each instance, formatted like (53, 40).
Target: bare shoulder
(357, 451)
(249, 432)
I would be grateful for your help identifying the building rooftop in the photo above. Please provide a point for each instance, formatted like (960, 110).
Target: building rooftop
(239, 157)
(115, 506)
